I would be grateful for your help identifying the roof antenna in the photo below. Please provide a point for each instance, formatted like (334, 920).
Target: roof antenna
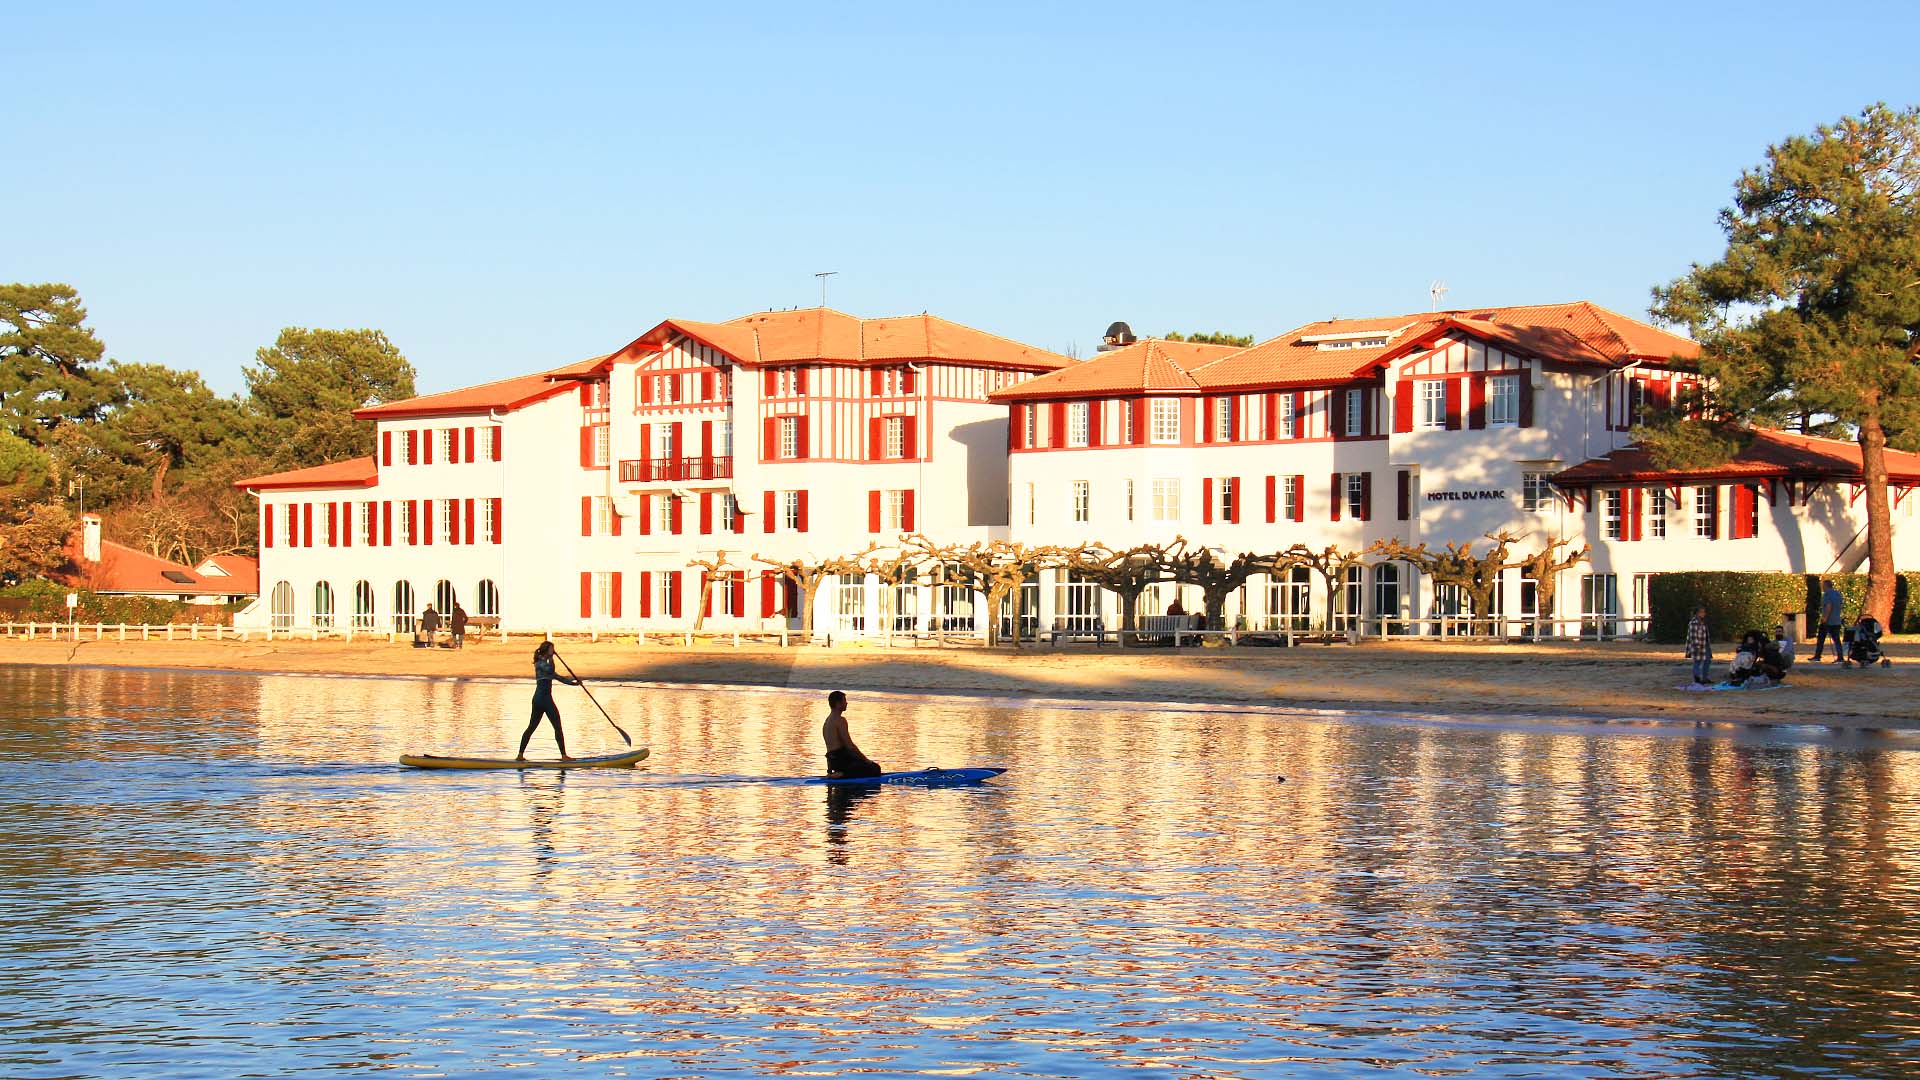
(823, 276)
(1434, 292)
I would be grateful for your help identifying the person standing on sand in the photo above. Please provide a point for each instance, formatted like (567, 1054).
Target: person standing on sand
(543, 676)
(1700, 646)
(844, 759)
(458, 624)
(430, 624)
(1832, 604)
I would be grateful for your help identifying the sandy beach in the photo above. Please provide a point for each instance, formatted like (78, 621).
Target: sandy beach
(1555, 681)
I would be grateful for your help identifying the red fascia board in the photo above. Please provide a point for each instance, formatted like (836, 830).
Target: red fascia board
(560, 385)
(315, 484)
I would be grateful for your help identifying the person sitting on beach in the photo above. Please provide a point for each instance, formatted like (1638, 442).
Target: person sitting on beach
(844, 759)
(1746, 661)
(1771, 661)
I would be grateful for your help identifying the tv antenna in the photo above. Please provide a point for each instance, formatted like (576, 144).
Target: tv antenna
(823, 276)
(1434, 292)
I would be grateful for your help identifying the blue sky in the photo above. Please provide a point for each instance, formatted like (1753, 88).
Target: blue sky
(503, 189)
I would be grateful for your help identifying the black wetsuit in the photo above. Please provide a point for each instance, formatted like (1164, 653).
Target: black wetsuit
(849, 762)
(543, 705)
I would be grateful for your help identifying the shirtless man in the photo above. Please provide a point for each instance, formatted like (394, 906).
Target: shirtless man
(844, 759)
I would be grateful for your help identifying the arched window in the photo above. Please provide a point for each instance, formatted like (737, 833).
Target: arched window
(362, 605)
(323, 605)
(282, 605)
(443, 596)
(489, 599)
(404, 617)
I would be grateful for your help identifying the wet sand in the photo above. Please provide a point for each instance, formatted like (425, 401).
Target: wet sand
(1550, 682)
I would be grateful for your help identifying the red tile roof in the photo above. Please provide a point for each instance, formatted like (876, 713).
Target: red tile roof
(242, 572)
(355, 472)
(1771, 455)
(815, 334)
(1151, 364)
(1577, 333)
(504, 395)
(125, 570)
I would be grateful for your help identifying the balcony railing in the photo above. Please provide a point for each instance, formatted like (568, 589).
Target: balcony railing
(647, 470)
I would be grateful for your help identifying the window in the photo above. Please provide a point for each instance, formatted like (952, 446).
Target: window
(1356, 495)
(1636, 401)
(787, 383)
(663, 447)
(1077, 424)
(489, 525)
(487, 595)
(1165, 427)
(1127, 434)
(1503, 400)
(403, 614)
(1611, 521)
(1033, 425)
(1082, 501)
(1223, 420)
(413, 447)
(663, 585)
(443, 597)
(890, 382)
(281, 606)
(666, 389)
(602, 515)
(893, 511)
(729, 512)
(448, 447)
(1129, 500)
(323, 605)
(444, 519)
(602, 594)
(1356, 411)
(1290, 508)
(1433, 403)
(366, 521)
(1536, 491)
(1033, 505)
(1657, 512)
(1166, 499)
(895, 428)
(489, 443)
(288, 526)
(1229, 491)
(790, 510)
(723, 438)
(1285, 423)
(362, 605)
(789, 437)
(602, 443)
(723, 591)
(332, 530)
(1706, 512)
(406, 522)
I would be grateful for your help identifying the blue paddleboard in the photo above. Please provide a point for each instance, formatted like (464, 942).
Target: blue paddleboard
(923, 778)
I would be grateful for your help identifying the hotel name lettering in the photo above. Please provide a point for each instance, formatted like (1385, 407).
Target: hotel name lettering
(1472, 495)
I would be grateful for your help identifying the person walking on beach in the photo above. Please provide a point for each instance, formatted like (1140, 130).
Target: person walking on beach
(543, 676)
(458, 624)
(844, 759)
(1700, 646)
(1831, 606)
(429, 624)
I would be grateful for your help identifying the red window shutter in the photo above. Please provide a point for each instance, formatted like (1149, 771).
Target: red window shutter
(770, 441)
(1526, 397)
(800, 381)
(878, 383)
(1403, 406)
(805, 449)
(673, 515)
(266, 525)
(497, 524)
(1660, 395)
(1206, 500)
(673, 594)
(909, 382)
(306, 524)
(616, 594)
(1299, 414)
(499, 437)
(586, 448)
(766, 515)
(706, 512)
(346, 524)
(706, 386)
(1453, 404)
(873, 511)
(613, 518)
(706, 440)
(586, 593)
(1204, 407)
(453, 522)
(1139, 406)
(1093, 423)
(906, 511)
(1366, 496)
(738, 583)
(1015, 426)
(1270, 428)
(646, 388)
(910, 435)
(386, 448)
(1239, 496)
(706, 594)
(772, 383)
(467, 438)
(766, 594)
(1336, 414)
(386, 524)
(646, 514)
(1057, 425)
(426, 446)
(1336, 497)
(586, 515)
(423, 522)
(467, 537)
(1403, 502)
(803, 512)
(646, 445)
(1476, 401)
(413, 447)
(679, 442)
(586, 395)
(646, 594)
(739, 519)
(1273, 508)
(1300, 498)
(876, 448)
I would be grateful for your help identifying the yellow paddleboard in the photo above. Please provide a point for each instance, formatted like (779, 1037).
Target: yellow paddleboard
(613, 761)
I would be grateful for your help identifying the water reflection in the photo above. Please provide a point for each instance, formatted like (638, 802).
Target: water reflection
(216, 874)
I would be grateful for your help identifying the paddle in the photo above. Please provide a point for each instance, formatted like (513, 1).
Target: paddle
(577, 681)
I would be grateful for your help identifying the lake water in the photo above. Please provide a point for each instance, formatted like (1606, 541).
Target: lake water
(226, 875)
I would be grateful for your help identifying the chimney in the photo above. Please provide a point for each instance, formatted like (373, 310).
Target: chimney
(90, 537)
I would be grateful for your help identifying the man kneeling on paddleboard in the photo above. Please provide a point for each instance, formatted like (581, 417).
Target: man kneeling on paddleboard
(543, 706)
(844, 759)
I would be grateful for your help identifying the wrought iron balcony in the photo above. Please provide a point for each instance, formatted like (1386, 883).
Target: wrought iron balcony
(648, 470)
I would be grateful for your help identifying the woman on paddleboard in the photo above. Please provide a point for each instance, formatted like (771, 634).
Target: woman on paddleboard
(543, 676)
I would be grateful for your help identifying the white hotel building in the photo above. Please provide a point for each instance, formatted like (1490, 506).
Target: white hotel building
(579, 498)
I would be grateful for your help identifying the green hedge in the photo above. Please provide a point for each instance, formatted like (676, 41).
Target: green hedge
(1738, 602)
(46, 601)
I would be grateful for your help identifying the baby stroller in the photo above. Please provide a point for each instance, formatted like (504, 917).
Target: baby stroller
(1863, 646)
